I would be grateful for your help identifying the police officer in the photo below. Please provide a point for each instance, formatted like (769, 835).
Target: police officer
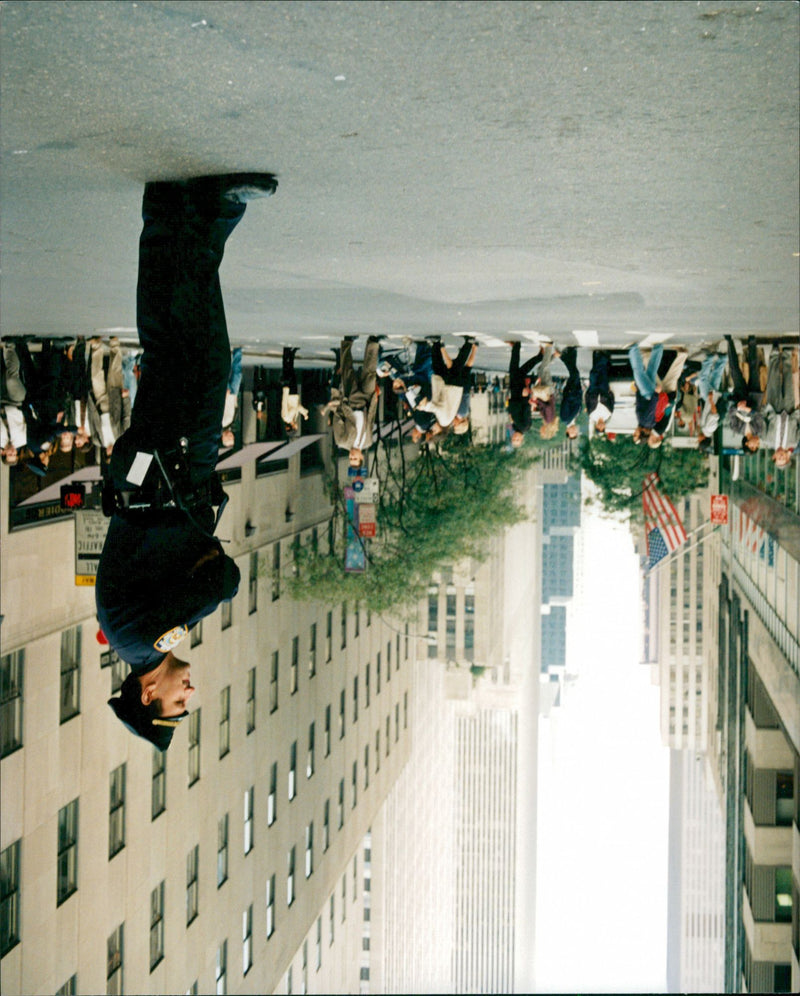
(161, 569)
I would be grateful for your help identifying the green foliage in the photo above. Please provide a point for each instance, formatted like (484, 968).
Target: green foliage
(618, 470)
(436, 506)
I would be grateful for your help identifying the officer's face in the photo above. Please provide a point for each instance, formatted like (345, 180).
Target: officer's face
(170, 684)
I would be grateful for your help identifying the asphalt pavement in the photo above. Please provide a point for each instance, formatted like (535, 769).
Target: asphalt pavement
(617, 170)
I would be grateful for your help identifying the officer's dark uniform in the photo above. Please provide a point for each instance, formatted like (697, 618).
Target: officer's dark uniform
(150, 589)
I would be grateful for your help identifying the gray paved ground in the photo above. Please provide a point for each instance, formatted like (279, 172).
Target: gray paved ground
(625, 168)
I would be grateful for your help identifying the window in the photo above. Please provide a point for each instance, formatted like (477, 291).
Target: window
(221, 973)
(119, 669)
(355, 877)
(9, 898)
(344, 625)
(270, 906)
(114, 962)
(194, 747)
(327, 730)
(319, 942)
(356, 620)
(310, 758)
(70, 701)
(289, 987)
(70, 987)
(388, 731)
(396, 721)
(273, 682)
(378, 750)
(196, 635)
(329, 638)
(116, 811)
(227, 614)
(67, 851)
(378, 673)
(312, 650)
(276, 572)
(192, 990)
(310, 849)
(354, 783)
(247, 939)
(156, 925)
(341, 714)
(248, 819)
(290, 877)
(344, 897)
(305, 967)
(341, 803)
(222, 850)
(192, 866)
(331, 919)
(389, 655)
(295, 662)
(355, 699)
(405, 648)
(250, 710)
(405, 710)
(366, 687)
(292, 784)
(225, 721)
(272, 799)
(252, 586)
(158, 790)
(326, 825)
(12, 667)
(783, 895)
(366, 766)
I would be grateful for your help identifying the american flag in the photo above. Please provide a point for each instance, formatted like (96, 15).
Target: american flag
(663, 528)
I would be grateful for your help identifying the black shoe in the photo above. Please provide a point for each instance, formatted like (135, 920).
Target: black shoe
(237, 187)
(376, 338)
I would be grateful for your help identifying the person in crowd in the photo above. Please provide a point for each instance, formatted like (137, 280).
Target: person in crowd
(744, 415)
(782, 408)
(450, 377)
(291, 408)
(571, 393)
(231, 398)
(645, 379)
(354, 402)
(543, 394)
(13, 431)
(707, 382)
(600, 398)
(519, 391)
(78, 391)
(161, 569)
(413, 384)
(109, 406)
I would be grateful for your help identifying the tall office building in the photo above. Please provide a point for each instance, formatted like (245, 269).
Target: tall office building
(235, 862)
(454, 892)
(696, 899)
(758, 719)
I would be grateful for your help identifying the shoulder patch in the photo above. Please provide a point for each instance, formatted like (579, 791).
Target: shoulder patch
(171, 639)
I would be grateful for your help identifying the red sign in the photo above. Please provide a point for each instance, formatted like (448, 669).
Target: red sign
(366, 521)
(719, 510)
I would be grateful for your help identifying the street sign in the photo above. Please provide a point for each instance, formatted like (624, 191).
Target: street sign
(366, 490)
(719, 510)
(367, 525)
(91, 527)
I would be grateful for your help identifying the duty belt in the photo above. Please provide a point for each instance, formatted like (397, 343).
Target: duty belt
(167, 485)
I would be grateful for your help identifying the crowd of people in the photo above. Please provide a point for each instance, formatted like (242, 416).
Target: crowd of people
(79, 393)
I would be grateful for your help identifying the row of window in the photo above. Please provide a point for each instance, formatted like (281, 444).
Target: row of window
(12, 667)
(68, 821)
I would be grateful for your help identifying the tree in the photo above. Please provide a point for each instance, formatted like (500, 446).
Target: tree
(618, 470)
(436, 506)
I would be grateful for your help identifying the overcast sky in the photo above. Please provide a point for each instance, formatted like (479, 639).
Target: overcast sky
(603, 792)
